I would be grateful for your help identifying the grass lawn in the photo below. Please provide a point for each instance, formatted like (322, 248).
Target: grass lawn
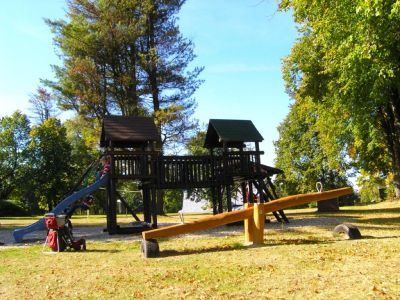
(296, 262)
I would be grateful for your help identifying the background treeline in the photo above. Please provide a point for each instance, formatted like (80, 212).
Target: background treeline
(40, 162)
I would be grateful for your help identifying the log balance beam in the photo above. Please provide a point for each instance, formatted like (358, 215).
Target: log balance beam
(253, 215)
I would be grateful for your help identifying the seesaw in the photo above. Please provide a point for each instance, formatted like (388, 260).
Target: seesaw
(253, 216)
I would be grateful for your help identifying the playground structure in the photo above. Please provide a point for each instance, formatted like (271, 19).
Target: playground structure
(253, 215)
(131, 144)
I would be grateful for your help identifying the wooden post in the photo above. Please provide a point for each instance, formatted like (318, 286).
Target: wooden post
(146, 204)
(214, 200)
(250, 195)
(111, 197)
(154, 206)
(258, 160)
(219, 198)
(248, 227)
(213, 184)
(259, 222)
(229, 197)
(244, 192)
(146, 188)
(258, 171)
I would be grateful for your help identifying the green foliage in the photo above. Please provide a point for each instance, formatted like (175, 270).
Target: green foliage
(83, 137)
(346, 60)
(132, 195)
(195, 146)
(14, 139)
(39, 164)
(300, 154)
(50, 162)
(173, 200)
(373, 188)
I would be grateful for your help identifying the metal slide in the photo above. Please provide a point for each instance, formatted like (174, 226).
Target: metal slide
(39, 225)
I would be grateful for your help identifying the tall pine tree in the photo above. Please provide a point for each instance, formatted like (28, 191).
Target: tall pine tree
(127, 57)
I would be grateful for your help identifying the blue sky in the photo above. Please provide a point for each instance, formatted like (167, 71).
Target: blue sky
(239, 42)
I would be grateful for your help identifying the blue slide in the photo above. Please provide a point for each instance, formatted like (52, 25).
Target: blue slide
(39, 225)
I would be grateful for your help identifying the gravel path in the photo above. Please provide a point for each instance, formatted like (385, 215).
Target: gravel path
(97, 234)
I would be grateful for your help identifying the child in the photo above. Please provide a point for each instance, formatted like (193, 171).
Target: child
(85, 205)
(105, 162)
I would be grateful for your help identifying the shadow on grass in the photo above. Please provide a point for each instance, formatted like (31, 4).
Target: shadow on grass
(167, 253)
(237, 246)
(98, 251)
(380, 221)
(285, 242)
(370, 237)
(346, 212)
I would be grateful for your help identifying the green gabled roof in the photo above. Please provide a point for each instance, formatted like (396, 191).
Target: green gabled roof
(233, 132)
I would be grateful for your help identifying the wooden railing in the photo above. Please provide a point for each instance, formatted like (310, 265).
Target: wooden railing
(184, 171)
(240, 164)
(134, 165)
(189, 171)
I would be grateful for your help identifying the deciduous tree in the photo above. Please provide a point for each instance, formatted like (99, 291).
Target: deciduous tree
(43, 105)
(347, 60)
(14, 139)
(300, 154)
(50, 162)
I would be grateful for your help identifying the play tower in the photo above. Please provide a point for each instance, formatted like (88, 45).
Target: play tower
(131, 143)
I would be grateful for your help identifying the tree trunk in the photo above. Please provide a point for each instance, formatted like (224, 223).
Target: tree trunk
(155, 93)
(391, 126)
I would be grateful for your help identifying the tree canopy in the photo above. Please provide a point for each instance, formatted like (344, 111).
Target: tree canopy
(14, 139)
(300, 154)
(50, 161)
(347, 61)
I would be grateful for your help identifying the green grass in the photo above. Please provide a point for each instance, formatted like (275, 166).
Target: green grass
(296, 262)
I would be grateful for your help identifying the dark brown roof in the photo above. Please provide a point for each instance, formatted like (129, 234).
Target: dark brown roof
(233, 132)
(270, 171)
(125, 131)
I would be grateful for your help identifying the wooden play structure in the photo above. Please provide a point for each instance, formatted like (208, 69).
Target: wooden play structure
(253, 215)
(234, 158)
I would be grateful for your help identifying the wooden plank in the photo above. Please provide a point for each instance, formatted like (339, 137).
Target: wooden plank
(202, 224)
(234, 216)
(294, 200)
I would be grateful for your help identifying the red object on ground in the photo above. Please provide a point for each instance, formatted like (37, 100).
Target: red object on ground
(51, 222)
(52, 240)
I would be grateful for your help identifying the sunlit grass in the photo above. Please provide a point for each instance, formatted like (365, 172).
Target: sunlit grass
(301, 260)
(7, 223)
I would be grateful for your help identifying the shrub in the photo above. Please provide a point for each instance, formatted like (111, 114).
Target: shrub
(10, 208)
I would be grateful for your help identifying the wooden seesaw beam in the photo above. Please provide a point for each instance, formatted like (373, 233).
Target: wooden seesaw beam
(247, 213)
